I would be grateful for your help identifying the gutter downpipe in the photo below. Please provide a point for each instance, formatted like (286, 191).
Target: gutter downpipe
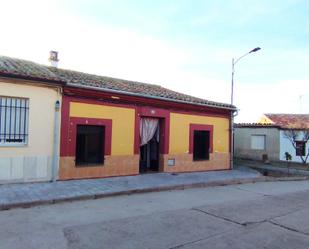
(55, 159)
(151, 97)
(233, 115)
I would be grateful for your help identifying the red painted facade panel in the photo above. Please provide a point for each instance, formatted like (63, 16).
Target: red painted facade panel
(71, 142)
(164, 117)
(64, 133)
(195, 127)
(128, 100)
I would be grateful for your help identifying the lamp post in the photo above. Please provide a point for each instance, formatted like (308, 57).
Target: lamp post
(232, 95)
(233, 68)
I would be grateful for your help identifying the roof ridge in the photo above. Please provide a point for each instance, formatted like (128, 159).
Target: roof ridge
(103, 76)
(10, 64)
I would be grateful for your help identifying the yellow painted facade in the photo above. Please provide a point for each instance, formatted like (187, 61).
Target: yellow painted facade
(180, 128)
(123, 120)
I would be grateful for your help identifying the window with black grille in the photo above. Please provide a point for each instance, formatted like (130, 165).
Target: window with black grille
(201, 145)
(14, 119)
(89, 145)
(300, 148)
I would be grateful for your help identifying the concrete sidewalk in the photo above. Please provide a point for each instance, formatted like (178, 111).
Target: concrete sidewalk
(30, 194)
(271, 168)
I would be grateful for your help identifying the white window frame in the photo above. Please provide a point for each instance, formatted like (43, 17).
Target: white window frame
(14, 121)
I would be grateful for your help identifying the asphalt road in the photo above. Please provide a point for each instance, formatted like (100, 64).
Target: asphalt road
(249, 216)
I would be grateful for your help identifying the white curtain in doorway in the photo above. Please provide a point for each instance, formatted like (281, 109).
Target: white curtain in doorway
(148, 128)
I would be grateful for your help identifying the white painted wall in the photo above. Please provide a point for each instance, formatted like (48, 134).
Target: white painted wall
(31, 162)
(286, 146)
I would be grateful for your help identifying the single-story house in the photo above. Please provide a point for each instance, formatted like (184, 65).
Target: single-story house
(272, 136)
(114, 127)
(30, 96)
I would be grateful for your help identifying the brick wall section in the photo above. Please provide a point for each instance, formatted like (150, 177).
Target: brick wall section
(185, 163)
(113, 166)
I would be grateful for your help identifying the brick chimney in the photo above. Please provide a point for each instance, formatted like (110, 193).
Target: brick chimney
(53, 58)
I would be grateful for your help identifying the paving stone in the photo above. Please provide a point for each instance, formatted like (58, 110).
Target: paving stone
(34, 192)
(298, 221)
(158, 231)
(254, 210)
(263, 236)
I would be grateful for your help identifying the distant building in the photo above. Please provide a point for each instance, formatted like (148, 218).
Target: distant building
(267, 138)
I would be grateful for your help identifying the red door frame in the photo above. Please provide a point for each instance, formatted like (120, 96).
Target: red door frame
(163, 116)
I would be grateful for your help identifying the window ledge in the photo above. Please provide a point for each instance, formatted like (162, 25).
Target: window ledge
(13, 145)
(89, 165)
(200, 160)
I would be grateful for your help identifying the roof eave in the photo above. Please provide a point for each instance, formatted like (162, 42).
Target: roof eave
(30, 78)
(233, 109)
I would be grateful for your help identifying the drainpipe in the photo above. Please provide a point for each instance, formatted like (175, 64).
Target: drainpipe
(55, 159)
(232, 137)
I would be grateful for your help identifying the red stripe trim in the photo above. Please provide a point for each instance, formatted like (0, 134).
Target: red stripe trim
(135, 100)
(136, 132)
(65, 112)
(205, 114)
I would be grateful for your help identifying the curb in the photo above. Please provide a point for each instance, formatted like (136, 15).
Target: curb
(293, 172)
(29, 204)
(32, 203)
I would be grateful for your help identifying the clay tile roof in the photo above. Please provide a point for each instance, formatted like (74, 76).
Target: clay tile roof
(22, 68)
(102, 82)
(13, 67)
(290, 121)
(255, 125)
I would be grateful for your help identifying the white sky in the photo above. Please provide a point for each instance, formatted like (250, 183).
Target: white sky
(30, 29)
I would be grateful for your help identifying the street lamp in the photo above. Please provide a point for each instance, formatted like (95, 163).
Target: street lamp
(233, 68)
(232, 93)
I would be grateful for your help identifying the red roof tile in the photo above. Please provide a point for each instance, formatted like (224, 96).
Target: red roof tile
(255, 125)
(290, 121)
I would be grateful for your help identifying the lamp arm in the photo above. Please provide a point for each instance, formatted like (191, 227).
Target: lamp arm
(235, 61)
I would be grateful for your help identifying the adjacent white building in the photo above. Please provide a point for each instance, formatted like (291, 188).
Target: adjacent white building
(28, 117)
(268, 140)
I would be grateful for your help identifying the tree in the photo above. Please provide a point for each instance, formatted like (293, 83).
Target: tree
(295, 136)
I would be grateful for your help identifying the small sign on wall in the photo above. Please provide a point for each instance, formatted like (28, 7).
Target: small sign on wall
(171, 162)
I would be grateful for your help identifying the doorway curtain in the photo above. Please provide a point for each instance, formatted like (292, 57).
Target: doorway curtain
(148, 129)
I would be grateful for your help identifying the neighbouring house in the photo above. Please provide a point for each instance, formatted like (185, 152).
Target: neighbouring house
(114, 127)
(29, 96)
(272, 136)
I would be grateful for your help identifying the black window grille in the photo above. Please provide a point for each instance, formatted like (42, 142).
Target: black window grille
(14, 120)
(300, 148)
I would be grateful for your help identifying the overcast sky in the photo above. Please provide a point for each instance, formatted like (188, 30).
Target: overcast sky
(184, 45)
